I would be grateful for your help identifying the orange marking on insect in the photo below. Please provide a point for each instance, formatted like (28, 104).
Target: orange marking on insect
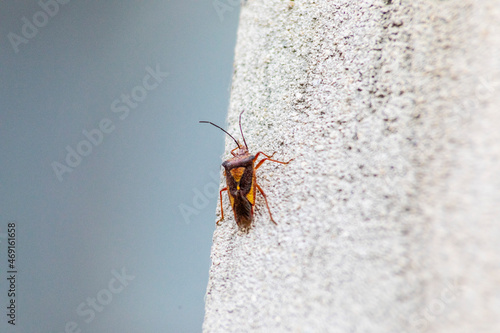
(237, 173)
(251, 195)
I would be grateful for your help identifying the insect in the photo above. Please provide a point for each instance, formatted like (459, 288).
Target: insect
(241, 181)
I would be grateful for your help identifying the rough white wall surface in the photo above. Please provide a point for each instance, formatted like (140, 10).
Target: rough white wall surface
(389, 216)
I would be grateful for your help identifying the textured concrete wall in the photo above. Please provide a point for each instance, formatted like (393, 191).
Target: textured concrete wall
(389, 216)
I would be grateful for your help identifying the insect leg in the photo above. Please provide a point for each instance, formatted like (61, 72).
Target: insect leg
(265, 198)
(261, 152)
(221, 208)
(234, 150)
(268, 158)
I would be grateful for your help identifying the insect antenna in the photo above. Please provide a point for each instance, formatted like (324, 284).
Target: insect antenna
(209, 122)
(241, 131)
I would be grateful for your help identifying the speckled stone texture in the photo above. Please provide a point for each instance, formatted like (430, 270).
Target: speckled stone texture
(389, 216)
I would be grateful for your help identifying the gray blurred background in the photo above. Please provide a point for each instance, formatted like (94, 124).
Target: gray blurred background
(105, 170)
